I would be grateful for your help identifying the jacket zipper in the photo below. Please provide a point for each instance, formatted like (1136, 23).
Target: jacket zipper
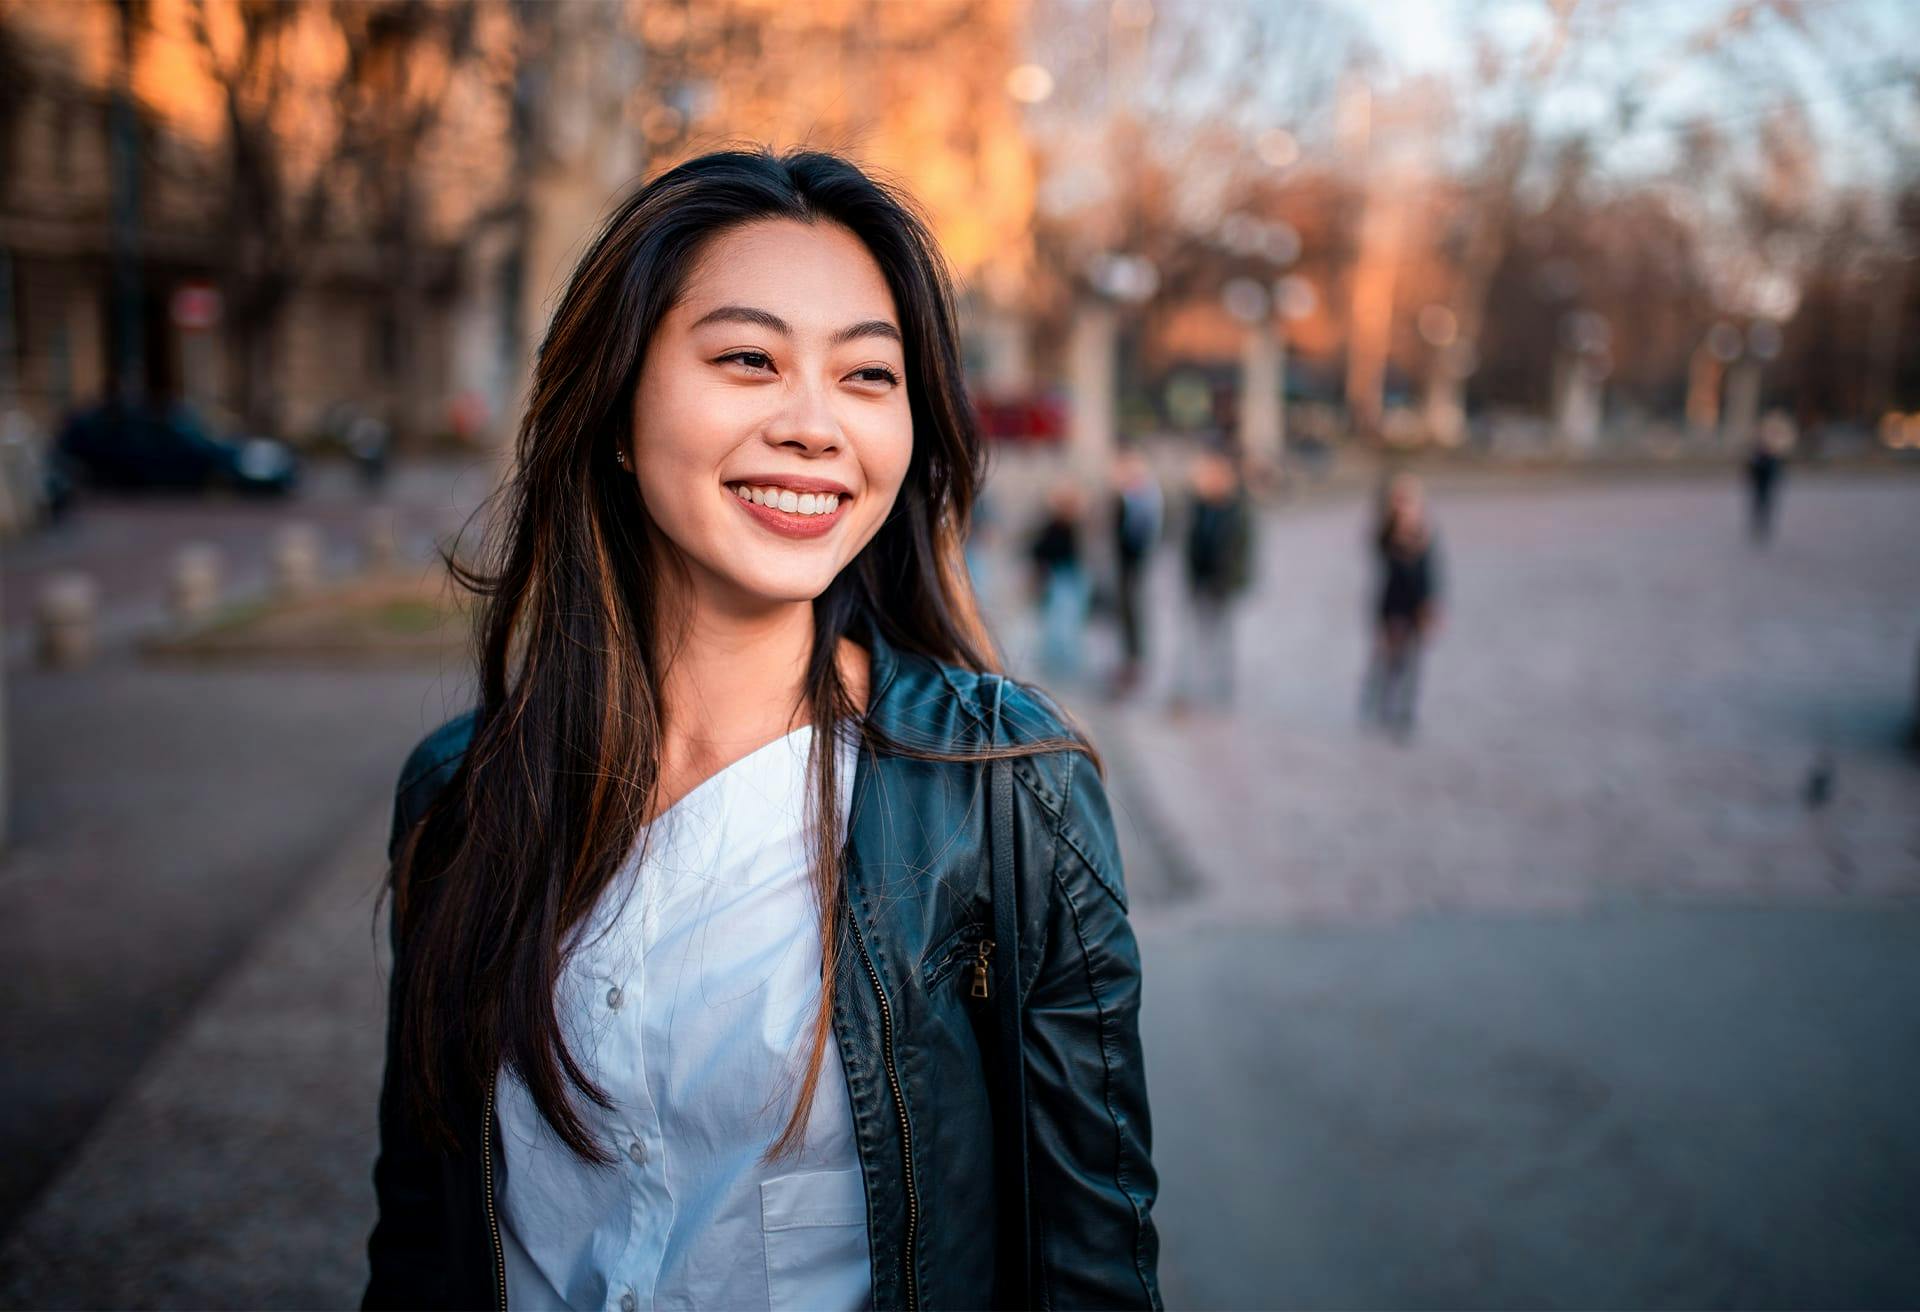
(493, 1221)
(982, 950)
(899, 1104)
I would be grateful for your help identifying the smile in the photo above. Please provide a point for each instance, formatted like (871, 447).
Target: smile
(794, 503)
(787, 511)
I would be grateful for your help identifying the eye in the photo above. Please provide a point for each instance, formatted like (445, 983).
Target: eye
(876, 373)
(757, 361)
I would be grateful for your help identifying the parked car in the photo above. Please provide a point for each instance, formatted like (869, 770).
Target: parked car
(1040, 419)
(122, 445)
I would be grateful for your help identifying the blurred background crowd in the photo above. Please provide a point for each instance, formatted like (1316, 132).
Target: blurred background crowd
(1458, 458)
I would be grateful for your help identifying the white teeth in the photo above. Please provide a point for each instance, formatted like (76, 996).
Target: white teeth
(796, 503)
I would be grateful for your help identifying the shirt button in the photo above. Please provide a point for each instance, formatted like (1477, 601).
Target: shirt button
(637, 1151)
(614, 997)
(628, 1303)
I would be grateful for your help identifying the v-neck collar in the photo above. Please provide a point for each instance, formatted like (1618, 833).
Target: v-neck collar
(730, 768)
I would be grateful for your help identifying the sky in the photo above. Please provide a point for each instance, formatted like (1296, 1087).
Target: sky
(1845, 67)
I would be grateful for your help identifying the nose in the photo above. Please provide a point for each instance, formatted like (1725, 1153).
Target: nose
(806, 423)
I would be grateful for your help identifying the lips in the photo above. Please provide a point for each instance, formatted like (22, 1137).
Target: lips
(792, 523)
(791, 482)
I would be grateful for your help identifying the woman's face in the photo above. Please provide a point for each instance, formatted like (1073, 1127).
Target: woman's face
(771, 429)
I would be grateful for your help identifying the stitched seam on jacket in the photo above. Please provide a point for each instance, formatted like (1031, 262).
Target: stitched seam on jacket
(1066, 833)
(1106, 1062)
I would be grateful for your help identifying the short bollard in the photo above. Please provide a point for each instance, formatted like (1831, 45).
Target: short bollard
(296, 560)
(68, 607)
(194, 589)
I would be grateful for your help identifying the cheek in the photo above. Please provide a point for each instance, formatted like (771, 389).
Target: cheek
(888, 455)
(675, 445)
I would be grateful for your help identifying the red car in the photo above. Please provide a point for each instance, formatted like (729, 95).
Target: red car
(1037, 418)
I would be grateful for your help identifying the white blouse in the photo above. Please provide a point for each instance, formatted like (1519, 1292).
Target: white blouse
(689, 999)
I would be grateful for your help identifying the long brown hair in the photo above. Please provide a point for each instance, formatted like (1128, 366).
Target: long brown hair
(554, 790)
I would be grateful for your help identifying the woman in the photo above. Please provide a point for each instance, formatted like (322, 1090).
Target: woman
(754, 943)
(1407, 609)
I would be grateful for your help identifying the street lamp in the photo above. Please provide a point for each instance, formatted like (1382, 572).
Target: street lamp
(1246, 300)
(1030, 84)
(1129, 279)
(1295, 298)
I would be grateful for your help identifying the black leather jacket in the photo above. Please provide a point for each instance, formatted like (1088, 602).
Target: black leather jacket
(913, 1042)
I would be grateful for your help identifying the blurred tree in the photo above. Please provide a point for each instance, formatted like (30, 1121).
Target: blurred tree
(1183, 149)
(326, 107)
(1557, 214)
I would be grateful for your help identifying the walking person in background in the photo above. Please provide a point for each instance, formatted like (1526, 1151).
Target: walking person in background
(1219, 566)
(1774, 440)
(1139, 509)
(1407, 611)
(1060, 582)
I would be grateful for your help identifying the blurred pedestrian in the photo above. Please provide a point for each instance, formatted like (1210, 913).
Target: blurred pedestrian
(1060, 582)
(1764, 467)
(1407, 606)
(983, 546)
(1139, 509)
(1219, 559)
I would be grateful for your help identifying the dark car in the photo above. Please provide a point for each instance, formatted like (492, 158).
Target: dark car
(124, 445)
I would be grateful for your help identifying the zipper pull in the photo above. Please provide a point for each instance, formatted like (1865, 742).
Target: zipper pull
(984, 950)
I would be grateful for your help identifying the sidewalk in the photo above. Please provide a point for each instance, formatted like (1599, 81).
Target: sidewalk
(235, 1172)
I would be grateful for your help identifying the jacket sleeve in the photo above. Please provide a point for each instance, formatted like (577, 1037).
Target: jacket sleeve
(406, 1251)
(1091, 1180)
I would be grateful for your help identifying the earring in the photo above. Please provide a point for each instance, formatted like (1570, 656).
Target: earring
(620, 457)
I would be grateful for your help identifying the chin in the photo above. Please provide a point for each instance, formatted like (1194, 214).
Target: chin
(780, 587)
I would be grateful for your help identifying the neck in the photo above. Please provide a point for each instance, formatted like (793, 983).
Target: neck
(736, 678)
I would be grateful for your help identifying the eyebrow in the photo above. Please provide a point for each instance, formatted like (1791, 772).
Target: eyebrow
(774, 323)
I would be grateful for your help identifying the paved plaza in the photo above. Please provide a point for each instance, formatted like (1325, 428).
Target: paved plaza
(1626, 701)
(1572, 1001)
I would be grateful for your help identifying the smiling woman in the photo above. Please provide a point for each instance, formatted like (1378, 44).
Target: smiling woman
(756, 944)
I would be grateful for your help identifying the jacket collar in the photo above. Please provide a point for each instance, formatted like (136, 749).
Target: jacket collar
(883, 668)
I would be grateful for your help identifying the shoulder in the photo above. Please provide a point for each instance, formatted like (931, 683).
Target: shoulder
(432, 763)
(930, 703)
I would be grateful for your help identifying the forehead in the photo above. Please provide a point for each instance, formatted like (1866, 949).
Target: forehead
(810, 274)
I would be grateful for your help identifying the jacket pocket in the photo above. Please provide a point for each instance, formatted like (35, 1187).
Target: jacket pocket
(814, 1224)
(958, 949)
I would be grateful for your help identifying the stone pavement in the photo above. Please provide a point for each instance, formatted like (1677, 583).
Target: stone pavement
(163, 818)
(235, 1171)
(1626, 702)
(1641, 1107)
